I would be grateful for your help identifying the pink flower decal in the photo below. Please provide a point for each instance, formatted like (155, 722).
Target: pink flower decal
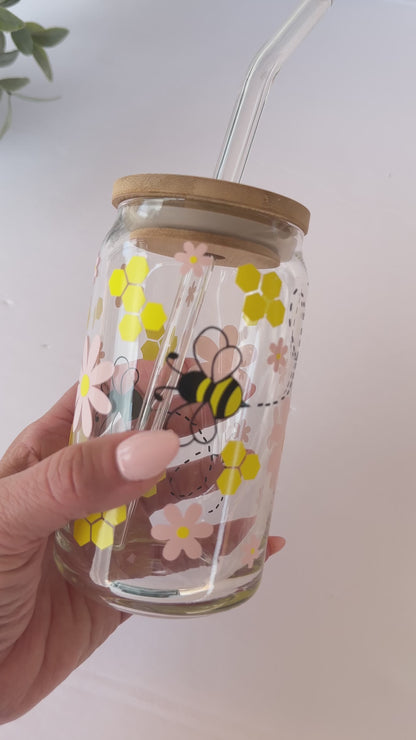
(92, 374)
(208, 348)
(242, 432)
(277, 357)
(191, 294)
(182, 532)
(193, 258)
(276, 439)
(251, 550)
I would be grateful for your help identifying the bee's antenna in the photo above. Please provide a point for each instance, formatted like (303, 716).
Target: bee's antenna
(157, 391)
(172, 356)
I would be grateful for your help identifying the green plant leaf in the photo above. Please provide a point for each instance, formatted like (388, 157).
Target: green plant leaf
(36, 100)
(8, 119)
(42, 59)
(33, 27)
(23, 40)
(49, 36)
(2, 42)
(10, 84)
(9, 21)
(8, 3)
(8, 58)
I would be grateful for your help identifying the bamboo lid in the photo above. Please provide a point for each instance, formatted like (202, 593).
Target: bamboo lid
(230, 196)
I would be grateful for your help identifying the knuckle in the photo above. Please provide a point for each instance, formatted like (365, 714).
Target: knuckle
(21, 454)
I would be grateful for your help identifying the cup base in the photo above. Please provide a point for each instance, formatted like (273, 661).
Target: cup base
(151, 602)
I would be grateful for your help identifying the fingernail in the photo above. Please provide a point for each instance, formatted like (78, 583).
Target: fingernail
(146, 454)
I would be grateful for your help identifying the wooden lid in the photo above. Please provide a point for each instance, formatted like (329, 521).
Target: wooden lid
(233, 196)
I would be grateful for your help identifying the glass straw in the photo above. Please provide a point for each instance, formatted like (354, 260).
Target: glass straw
(236, 148)
(231, 163)
(264, 68)
(185, 318)
(180, 316)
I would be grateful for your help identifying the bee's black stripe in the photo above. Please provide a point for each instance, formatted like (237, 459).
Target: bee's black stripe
(208, 392)
(223, 390)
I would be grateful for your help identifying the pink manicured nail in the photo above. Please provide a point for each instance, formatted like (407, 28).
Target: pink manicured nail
(146, 454)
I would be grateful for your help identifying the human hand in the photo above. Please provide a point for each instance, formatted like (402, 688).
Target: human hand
(48, 627)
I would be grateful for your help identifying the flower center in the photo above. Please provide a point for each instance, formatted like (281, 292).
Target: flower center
(85, 385)
(193, 259)
(182, 533)
(278, 356)
(252, 551)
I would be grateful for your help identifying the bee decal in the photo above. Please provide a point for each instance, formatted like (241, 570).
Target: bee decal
(216, 393)
(126, 401)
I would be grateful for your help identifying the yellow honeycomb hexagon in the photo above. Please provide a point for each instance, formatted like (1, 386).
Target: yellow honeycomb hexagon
(250, 466)
(153, 316)
(102, 534)
(254, 308)
(155, 334)
(247, 278)
(91, 518)
(82, 531)
(275, 313)
(228, 481)
(115, 516)
(117, 282)
(271, 285)
(133, 298)
(233, 454)
(99, 528)
(153, 489)
(151, 492)
(137, 269)
(98, 309)
(150, 350)
(129, 328)
(173, 343)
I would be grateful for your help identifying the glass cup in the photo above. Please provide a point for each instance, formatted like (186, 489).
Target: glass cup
(195, 323)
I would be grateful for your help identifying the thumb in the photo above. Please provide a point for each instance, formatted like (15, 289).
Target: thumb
(96, 475)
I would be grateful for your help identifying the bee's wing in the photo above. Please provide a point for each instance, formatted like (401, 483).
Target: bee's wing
(125, 375)
(179, 419)
(192, 420)
(225, 363)
(207, 343)
(129, 379)
(203, 424)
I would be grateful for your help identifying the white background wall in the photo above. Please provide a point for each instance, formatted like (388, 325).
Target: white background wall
(327, 648)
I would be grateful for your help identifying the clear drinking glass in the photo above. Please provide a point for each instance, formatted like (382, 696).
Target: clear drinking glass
(195, 324)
